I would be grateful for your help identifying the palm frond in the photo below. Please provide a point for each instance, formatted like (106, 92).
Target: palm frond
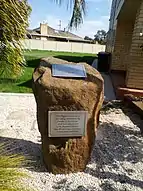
(13, 24)
(79, 11)
(59, 2)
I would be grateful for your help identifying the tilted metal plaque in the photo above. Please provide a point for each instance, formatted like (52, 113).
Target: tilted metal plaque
(67, 123)
(68, 70)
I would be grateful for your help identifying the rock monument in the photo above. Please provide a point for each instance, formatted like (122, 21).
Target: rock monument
(77, 102)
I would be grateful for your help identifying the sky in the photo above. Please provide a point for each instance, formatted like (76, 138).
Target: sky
(96, 18)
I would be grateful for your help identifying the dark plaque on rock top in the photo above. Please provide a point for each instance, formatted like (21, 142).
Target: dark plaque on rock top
(68, 70)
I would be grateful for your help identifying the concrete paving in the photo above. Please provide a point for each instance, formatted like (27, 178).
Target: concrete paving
(109, 93)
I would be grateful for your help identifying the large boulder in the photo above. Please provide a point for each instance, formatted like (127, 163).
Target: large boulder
(70, 154)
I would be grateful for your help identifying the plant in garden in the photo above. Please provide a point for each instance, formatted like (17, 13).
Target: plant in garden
(9, 174)
(13, 24)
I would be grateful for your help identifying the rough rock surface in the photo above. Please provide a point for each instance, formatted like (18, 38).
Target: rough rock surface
(65, 155)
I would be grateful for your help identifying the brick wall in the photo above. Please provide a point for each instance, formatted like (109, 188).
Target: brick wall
(110, 40)
(112, 27)
(122, 45)
(135, 70)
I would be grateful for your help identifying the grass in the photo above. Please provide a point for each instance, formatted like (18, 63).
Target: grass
(23, 84)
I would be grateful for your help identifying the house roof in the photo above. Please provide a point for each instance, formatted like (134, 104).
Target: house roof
(54, 33)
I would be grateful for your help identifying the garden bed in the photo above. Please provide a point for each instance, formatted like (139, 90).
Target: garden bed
(116, 160)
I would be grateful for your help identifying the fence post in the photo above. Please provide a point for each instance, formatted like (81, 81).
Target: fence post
(82, 48)
(92, 48)
(42, 46)
(71, 47)
(56, 46)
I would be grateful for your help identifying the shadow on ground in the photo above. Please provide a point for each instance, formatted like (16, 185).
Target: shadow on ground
(115, 145)
(27, 84)
(33, 63)
(118, 145)
(134, 116)
(30, 150)
(128, 111)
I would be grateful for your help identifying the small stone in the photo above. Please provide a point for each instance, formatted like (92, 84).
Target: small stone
(81, 188)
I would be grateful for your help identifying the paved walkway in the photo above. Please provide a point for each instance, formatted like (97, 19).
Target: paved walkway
(109, 93)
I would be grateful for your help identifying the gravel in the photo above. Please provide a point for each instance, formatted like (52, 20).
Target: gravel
(117, 159)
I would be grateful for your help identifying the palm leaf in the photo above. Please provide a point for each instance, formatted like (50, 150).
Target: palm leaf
(79, 10)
